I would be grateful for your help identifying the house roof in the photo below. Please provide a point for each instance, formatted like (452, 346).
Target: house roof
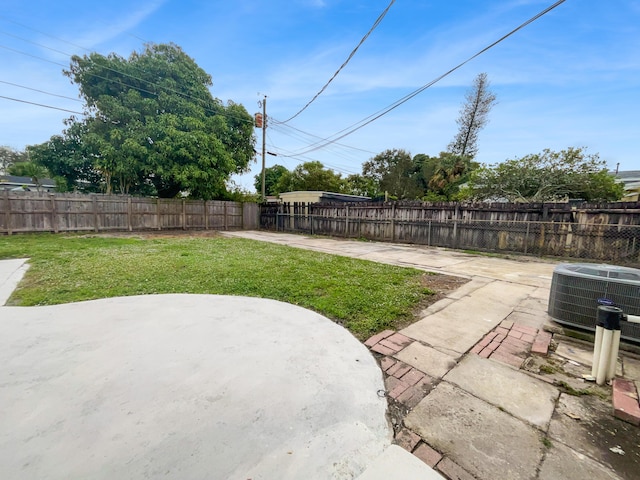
(627, 175)
(328, 196)
(27, 181)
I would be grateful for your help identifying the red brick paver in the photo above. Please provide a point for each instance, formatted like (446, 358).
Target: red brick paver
(511, 342)
(398, 390)
(525, 329)
(625, 401)
(399, 369)
(379, 336)
(453, 471)
(386, 363)
(427, 454)
(407, 439)
(412, 377)
(507, 358)
(541, 343)
(382, 349)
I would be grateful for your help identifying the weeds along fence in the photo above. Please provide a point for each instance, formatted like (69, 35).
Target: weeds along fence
(23, 212)
(601, 232)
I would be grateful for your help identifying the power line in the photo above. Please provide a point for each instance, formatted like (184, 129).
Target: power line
(353, 52)
(375, 116)
(40, 91)
(40, 105)
(279, 123)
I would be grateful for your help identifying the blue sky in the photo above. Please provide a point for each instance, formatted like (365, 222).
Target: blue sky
(572, 78)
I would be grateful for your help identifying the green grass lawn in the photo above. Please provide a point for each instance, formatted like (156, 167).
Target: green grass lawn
(365, 297)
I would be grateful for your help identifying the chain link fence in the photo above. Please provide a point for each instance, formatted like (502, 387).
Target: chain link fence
(617, 243)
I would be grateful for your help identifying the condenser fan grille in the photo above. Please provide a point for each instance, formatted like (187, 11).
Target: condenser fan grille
(576, 289)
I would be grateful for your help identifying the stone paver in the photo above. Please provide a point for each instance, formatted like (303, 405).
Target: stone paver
(427, 359)
(522, 396)
(459, 326)
(482, 439)
(564, 463)
(587, 424)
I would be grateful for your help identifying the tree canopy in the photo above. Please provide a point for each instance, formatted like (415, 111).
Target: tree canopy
(272, 176)
(546, 176)
(311, 176)
(151, 125)
(10, 156)
(394, 172)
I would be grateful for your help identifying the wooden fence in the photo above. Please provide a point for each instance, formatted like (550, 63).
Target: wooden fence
(22, 212)
(608, 232)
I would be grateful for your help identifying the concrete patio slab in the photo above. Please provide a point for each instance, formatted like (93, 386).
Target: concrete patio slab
(587, 424)
(426, 359)
(535, 274)
(11, 272)
(479, 437)
(185, 386)
(459, 326)
(524, 397)
(564, 463)
(396, 463)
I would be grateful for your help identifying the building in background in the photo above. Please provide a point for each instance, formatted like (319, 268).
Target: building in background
(26, 184)
(320, 197)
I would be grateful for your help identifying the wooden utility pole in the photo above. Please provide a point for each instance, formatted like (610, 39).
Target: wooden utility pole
(264, 151)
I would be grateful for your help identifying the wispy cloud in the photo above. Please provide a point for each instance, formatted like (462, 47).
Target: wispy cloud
(109, 31)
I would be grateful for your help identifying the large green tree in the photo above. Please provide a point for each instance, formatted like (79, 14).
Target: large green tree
(69, 159)
(272, 176)
(152, 123)
(546, 176)
(10, 156)
(449, 173)
(395, 173)
(311, 176)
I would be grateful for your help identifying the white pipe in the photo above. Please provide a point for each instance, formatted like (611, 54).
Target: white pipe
(633, 319)
(597, 348)
(613, 359)
(605, 353)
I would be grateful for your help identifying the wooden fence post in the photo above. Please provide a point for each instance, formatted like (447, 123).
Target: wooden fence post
(393, 222)
(94, 204)
(184, 214)
(54, 214)
(129, 214)
(8, 213)
(454, 240)
(226, 222)
(206, 216)
(158, 223)
(346, 228)
(311, 216)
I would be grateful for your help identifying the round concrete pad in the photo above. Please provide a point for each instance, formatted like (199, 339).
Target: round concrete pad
(185, 386)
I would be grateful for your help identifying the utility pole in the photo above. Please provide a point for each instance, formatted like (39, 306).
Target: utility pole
(264, 151)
